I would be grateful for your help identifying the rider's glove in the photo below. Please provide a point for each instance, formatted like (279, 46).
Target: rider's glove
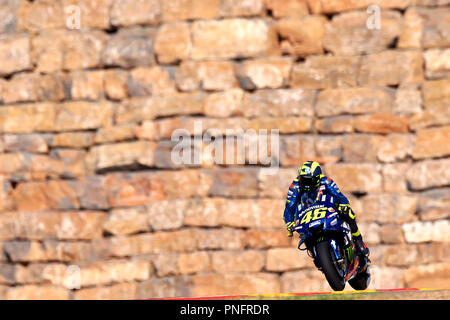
(290, 226)
(345, 210)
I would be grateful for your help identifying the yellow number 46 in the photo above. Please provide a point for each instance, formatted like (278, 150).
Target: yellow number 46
(316, 214)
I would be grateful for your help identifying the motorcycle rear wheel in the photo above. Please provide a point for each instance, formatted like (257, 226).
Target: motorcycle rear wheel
(325, 256)
(361, 281)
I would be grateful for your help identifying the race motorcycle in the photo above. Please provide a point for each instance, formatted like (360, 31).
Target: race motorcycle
(328, 240)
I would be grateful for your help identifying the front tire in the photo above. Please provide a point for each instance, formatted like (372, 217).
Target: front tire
(325, 257)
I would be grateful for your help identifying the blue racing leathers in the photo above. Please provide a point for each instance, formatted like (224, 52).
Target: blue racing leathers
(327, 186)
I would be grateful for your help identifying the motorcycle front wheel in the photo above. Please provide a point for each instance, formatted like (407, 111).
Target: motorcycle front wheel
(327, 260)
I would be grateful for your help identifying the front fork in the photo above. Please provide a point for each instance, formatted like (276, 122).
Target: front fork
(334, 245)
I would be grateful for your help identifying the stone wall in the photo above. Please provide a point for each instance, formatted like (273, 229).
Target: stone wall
(87, 183)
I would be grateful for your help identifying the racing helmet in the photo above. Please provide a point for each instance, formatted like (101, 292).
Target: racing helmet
(309, 175)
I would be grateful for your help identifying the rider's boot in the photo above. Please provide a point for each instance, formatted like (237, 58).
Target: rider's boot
(360, 246)
(362, 251)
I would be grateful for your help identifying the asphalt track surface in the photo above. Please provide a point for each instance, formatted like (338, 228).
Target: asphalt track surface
(379, 294)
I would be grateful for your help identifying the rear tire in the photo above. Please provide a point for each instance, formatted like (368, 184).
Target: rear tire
(361, 281)
(324, 255)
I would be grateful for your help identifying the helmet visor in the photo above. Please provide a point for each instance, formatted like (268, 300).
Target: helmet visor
(307, 181)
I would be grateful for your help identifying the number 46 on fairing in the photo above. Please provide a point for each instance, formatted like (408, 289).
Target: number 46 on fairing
(312, 215)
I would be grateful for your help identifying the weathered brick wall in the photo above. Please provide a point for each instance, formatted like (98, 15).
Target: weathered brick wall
(87, 115)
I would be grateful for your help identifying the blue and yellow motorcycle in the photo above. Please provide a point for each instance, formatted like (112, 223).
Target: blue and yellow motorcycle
(328, 240)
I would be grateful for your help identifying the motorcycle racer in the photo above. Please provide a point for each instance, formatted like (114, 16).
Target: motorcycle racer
(311, 180)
